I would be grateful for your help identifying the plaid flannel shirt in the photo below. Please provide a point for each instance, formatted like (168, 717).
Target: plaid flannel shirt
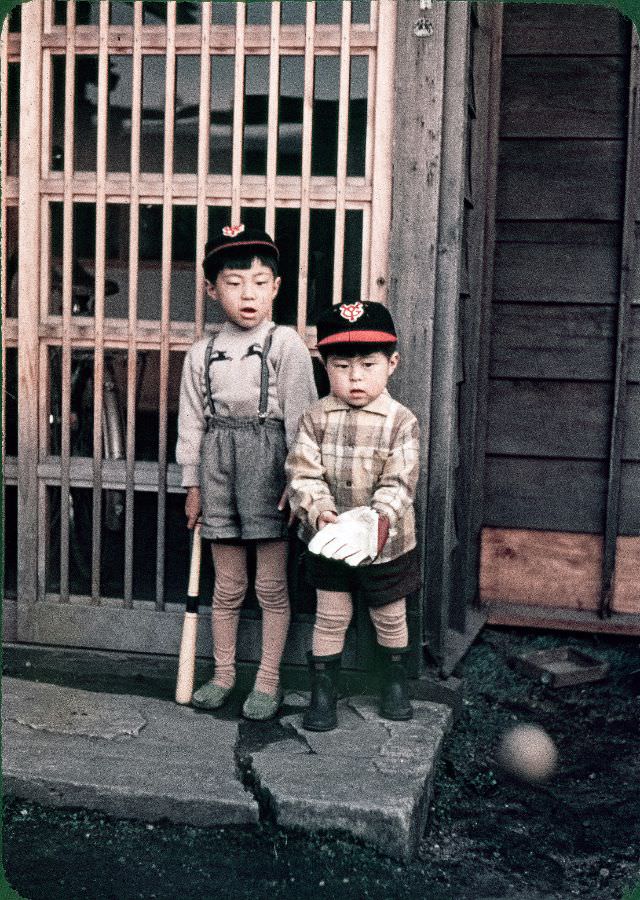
(345, 457)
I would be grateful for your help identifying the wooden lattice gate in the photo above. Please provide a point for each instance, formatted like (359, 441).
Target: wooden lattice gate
(140, 129)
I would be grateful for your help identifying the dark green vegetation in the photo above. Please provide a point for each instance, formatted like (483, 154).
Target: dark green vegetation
(489, 836)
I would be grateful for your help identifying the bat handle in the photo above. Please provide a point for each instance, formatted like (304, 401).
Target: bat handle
(187, 656)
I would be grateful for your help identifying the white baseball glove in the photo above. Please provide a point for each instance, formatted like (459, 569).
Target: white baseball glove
(353, 538)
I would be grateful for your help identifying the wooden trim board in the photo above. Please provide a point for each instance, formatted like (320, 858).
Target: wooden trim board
(549, 572)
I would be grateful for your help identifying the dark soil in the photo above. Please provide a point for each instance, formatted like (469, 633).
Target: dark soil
(489, 836)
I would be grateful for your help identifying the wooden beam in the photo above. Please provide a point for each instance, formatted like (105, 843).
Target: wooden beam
(630, 260)
(419, 93)
(29, 286)
(562, 619)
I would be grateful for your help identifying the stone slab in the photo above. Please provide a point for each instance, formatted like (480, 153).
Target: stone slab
(129, 756)
(370, 778)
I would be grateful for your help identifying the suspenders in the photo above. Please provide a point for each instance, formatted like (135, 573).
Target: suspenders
(213, 356)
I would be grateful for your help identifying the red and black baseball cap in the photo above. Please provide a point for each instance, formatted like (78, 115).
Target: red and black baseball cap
(361, 322)
(236, 241)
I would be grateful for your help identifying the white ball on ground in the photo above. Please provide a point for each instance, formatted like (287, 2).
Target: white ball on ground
(527, 752)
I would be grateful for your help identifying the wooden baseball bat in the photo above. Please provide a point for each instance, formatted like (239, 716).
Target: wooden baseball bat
(187, 657)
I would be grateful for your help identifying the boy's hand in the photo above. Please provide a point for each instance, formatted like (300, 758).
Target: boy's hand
(283, 503)
(326, 518)
(192, 506)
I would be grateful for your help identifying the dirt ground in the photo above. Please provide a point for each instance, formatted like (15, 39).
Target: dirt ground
(489, 836)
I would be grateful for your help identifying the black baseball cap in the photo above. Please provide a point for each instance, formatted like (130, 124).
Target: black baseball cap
(360, 322)
(235, 241)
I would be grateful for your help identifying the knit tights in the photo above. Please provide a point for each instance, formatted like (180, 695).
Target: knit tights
(335, 609)
(230, 562)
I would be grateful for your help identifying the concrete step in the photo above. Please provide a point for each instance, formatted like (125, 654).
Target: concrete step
(150, 759)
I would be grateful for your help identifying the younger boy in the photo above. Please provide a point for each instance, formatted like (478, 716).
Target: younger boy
(353, 471)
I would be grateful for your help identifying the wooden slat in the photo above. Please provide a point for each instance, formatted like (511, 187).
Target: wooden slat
(560, 262)
(548, 494)
(238, 113)
(67, 279)
(567, 342)
(132, 357)
(563, 619)
(219, 189)
(588, 98)
(626, 587)
(100, 251)
(343, 133)
(549, 419)
(556, 29)
(272, 118)
(305, 192)
(203, 162)
(4, 149)
(167, 232)
(572, 179)
(382, 141)
(223, 39)
(541, 568)
(623, 330)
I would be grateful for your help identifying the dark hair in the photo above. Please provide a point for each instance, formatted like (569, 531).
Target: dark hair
(352, 349)
(215, 263)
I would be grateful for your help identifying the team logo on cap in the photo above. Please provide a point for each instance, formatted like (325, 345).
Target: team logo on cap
(232, 230)
(352, 311)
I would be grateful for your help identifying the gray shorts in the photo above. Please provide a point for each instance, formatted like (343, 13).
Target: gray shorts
(242, 479)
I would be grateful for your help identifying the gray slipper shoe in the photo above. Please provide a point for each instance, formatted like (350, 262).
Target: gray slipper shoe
(210, 696)
(260, 706)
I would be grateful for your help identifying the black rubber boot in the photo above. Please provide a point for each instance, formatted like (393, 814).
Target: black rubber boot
(321, 714)
(394, 696)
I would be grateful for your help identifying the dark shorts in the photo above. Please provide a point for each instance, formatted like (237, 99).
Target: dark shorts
(378, 584)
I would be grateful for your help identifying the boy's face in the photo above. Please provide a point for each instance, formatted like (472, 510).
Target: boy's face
(360, 379)
(245, 295)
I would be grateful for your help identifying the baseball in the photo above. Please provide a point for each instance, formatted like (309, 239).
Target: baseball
(527, 752)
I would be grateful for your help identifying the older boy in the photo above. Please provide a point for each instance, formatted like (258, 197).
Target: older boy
(352, 474)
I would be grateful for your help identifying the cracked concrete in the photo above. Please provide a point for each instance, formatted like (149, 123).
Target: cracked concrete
(139, 757)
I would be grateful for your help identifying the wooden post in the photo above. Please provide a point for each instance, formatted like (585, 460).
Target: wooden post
(419, 95)
(629, 260)
(29, 286)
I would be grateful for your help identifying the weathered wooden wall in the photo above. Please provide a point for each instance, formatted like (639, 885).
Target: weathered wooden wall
(557, 277)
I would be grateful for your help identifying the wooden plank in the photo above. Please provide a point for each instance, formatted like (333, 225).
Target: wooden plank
(555, 29)
(626, 591)
(560, 262)
(623, 329)
(629, 515)
(29, 280)
(566, 342)
(488, 58)
(540, 568)
(549, 419)
(572, 179)
(562, 619)
(383, 149)
(419, 93)
(446, 607)
(587, 98)
(548, 494)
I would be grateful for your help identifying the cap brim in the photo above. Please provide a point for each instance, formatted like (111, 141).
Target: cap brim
(358, 337)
